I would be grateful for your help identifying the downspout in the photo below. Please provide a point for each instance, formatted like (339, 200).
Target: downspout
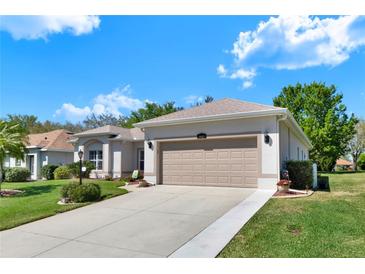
(282, 118)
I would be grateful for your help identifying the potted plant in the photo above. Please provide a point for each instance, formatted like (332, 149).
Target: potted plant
(283, 185)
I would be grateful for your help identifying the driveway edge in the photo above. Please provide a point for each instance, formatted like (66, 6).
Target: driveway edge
(209, 242)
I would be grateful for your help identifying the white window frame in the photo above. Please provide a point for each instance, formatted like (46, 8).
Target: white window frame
(98, 160)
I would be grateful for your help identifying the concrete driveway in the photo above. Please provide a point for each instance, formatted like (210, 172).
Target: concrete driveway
(148, 222)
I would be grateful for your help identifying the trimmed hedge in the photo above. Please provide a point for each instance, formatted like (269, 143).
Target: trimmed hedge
(62, 172)
(17, 174)
(47, 171)
(75, 168)
(81, 193)
(300, 174)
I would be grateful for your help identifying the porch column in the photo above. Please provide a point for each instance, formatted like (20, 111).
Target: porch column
(107, 161)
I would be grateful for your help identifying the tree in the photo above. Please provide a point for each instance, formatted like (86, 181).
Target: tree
(12, 143)
(361, 161)
(94, 121)
(357, 143)
(30, 124)
(207, 99)
(151, 110)
(320, 112)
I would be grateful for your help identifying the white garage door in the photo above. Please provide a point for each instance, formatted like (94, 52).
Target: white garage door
(220, 162)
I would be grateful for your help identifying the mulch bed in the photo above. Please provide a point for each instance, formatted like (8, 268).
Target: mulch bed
(10, 192)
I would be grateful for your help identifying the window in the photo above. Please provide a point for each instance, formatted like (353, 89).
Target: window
(298, 153)
(18, 162)
(302, 156)
(96, 157)
(140, 159)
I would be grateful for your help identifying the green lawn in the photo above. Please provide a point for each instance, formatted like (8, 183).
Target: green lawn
(326, 224)
(40, 200)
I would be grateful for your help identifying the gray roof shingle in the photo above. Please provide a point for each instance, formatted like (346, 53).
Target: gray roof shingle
(219, 107)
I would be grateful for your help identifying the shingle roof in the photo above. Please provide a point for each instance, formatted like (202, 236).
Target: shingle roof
(56, 139)
(343, 162)
(122, 133)
(219, 107)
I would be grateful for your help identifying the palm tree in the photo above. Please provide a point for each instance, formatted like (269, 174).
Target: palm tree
(12, 143)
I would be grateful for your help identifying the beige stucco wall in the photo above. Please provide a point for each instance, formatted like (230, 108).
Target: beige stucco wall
(119, 157)
(269, 152)
(290, 145)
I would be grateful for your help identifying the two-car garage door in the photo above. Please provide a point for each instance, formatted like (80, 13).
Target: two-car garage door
(211, 162)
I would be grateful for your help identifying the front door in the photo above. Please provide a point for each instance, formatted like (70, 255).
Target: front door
(140, 159)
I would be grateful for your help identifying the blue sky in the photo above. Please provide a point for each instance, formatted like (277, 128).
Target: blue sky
(65, 68)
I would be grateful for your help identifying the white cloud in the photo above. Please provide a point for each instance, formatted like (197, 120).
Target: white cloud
(221, 70)
(296, 42)
(40, 27)
(111, 103)
(247, 84)
(193, 99)
(73, 113)
(243, 74)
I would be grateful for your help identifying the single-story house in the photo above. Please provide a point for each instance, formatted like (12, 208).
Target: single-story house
(223, 143)
(343, 164)
(45, 148)
(115, 151)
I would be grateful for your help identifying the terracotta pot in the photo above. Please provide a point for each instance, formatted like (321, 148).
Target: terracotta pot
(283, 188)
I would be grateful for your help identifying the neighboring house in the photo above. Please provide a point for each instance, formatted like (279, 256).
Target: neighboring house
(45, 148)
(115, 151)
(342, 164)
(223, 143)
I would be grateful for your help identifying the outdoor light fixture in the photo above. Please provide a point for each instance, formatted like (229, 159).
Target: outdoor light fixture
(201, 136)
(266, 138)
(149, 144)
(80, 153)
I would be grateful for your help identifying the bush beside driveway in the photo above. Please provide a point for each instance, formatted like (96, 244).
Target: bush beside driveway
(39, 200)
(326, 224)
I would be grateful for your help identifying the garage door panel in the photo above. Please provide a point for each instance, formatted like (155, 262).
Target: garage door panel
(211, 162)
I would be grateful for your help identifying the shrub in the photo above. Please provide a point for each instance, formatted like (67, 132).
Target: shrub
(75, 168)
(17, 174)
(361, 161)
(47, 171)
(300, 174)
(5, 169)
(62, 172)
(81, 193)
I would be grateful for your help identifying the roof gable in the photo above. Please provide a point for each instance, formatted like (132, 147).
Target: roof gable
(120, 132)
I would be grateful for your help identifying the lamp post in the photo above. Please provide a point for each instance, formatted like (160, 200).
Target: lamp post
(80, 153)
